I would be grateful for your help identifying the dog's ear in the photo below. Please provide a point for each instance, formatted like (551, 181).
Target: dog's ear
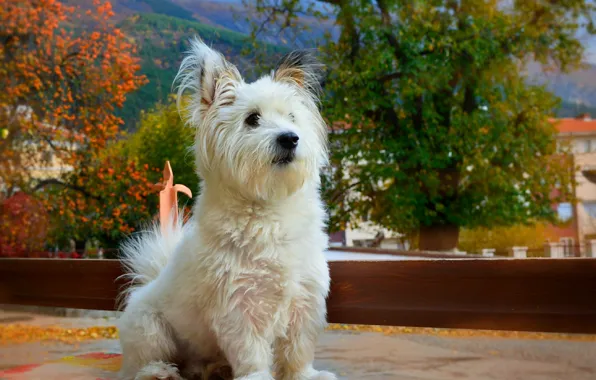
(300, 68)
(209, 76)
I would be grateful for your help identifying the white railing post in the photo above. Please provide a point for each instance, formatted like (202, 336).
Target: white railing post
(519, 252)
(555, 250)
(591, 248)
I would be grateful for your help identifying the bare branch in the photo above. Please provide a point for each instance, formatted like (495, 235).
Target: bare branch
(53, 181)
(390, 77)
(340, 193)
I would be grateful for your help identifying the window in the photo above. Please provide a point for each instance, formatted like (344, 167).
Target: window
(564, 211)
(590, 208)
(585, 146)
(582, 146)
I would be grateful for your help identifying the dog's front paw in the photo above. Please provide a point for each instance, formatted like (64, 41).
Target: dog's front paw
(310, 374)
(158, 371)
(323, 375)
(265, 375)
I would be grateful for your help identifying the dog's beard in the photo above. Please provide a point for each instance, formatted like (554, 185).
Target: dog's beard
(286, 178)
(284, 157)
(279, 179)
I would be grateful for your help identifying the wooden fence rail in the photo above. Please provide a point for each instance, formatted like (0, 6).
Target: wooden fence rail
(545, 295)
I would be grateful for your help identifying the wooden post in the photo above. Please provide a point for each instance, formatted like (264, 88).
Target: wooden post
(168, 198)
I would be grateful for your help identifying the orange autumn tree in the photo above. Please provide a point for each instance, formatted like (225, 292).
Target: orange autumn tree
(62, 75)
(26, 219)
(113, 198)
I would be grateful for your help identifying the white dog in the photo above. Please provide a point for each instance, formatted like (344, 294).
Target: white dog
(242, 285)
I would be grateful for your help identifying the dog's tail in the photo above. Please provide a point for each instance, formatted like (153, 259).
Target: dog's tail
(145, 254)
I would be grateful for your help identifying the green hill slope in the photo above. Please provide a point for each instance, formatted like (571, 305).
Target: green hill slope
(161, 42)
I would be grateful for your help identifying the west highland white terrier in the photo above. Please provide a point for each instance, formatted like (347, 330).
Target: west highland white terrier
(239, 289)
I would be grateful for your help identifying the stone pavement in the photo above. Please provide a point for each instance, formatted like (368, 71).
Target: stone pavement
(351, 354)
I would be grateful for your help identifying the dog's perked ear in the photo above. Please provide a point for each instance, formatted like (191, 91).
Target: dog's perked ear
(301, 68)
(211, 79)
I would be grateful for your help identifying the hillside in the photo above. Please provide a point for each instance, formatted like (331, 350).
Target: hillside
(126, 8)
(576, 89)
(162, 41)
(233, 15)
(226, 14)
(161, 29)
(568, 109)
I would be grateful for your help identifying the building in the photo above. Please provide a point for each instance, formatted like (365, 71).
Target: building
(39, 157)
(580, 134)
(369, 235)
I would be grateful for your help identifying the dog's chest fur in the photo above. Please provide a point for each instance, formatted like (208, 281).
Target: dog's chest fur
(263, 262)
(269, 251)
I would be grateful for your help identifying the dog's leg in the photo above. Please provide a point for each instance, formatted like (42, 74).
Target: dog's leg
(246, 348)
(244, 331)
(295, 353)
(146, 344)
(158, 371)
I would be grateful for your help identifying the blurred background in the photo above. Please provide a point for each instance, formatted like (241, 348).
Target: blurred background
(460, 126)
(457, 128)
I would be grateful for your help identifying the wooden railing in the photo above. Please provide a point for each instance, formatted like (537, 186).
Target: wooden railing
(545, 295)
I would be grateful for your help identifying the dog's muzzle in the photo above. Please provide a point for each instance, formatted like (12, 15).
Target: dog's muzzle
(285, 150)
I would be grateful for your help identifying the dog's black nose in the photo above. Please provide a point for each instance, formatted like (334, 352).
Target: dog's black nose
(288, 140)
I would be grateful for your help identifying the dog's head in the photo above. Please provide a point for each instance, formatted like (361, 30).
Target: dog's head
(264, 139)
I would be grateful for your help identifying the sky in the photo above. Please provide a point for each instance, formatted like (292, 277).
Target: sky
(590, 54)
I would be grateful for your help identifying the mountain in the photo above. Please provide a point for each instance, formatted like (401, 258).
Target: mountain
(233, 15)
(161, 42)
(226, 14)
(161, 29)
(577, 89)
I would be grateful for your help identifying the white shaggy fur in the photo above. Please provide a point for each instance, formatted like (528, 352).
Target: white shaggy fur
(242, 284)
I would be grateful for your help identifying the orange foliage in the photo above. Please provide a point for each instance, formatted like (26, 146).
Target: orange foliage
(24, 225)
(72, 83)
(106, 200)
(60, 87)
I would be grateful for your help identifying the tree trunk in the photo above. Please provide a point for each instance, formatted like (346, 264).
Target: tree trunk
(438, 237)
(80, 246)
(441, 234)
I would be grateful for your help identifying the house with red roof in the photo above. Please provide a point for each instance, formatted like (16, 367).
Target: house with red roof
(580, 134)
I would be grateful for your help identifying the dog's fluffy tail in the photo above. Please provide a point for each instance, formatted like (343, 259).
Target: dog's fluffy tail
(145, 254)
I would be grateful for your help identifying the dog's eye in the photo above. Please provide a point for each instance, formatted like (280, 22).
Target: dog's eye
(292, 117)
(253, 119)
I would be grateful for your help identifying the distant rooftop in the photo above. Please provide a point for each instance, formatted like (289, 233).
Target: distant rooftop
(582, 123)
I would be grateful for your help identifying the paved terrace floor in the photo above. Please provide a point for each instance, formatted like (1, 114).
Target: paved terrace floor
(408, 354)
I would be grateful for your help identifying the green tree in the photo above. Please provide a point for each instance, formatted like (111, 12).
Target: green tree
(114, 196)
(162, 136)
(435, 126)
(107, 200)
